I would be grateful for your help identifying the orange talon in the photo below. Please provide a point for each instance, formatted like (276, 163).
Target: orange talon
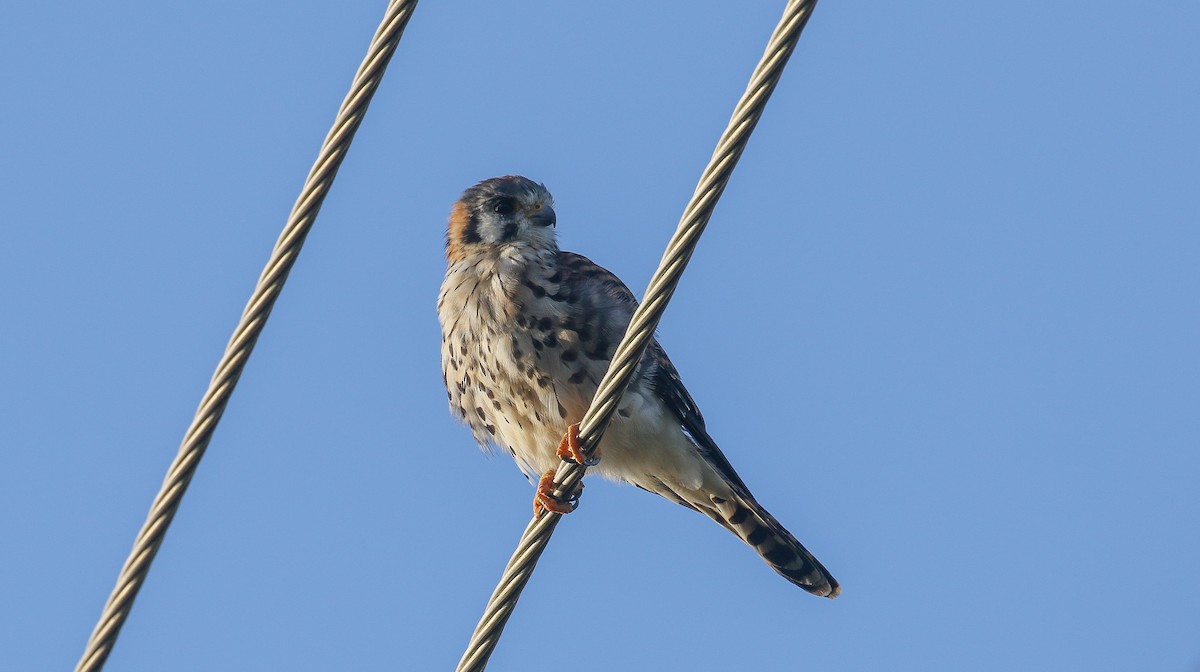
(545, 500)
(570, 451)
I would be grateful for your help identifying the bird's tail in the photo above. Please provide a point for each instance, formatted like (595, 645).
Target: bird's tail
(752, 524)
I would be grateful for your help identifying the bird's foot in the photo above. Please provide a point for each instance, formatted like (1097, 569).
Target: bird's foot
(570, 451)
(546, 500)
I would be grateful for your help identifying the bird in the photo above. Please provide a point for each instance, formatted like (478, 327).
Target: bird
(528, 331)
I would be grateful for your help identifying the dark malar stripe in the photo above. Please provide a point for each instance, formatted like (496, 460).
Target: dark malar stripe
(471, 231)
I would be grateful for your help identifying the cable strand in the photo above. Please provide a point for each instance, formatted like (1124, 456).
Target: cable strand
(241, 343)
(641, 328)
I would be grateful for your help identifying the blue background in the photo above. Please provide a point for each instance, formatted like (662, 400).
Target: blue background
(944, 322)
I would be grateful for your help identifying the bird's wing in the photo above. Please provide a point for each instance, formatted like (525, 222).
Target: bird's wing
(674, 395)
(599, 293)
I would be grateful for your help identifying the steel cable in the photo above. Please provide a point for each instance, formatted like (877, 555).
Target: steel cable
(254, 317)
(641, 327)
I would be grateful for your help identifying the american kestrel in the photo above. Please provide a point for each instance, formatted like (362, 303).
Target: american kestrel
(527, 333)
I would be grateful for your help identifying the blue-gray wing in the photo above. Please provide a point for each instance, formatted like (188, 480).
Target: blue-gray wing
(609, 302)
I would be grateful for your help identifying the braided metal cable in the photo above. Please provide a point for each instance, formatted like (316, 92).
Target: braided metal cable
(641, 327)
(254, 317)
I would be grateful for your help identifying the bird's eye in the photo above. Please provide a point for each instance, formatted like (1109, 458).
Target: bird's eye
(504, 207)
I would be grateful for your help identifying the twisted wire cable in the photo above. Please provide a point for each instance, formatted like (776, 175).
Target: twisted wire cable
(641, 327)
(254, 317)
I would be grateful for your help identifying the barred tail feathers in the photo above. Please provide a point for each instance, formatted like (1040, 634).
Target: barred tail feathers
(778, 548)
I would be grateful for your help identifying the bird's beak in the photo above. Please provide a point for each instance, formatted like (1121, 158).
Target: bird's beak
(542, 215)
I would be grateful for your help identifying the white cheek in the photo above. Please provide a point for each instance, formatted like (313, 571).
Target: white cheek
(542, 236)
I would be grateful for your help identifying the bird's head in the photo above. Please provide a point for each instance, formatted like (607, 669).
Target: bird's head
(500, 211)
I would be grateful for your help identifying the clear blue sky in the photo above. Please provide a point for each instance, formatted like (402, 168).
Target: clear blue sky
(944, 322)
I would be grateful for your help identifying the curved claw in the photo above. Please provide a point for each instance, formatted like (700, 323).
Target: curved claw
(545, 499)
(570, 451)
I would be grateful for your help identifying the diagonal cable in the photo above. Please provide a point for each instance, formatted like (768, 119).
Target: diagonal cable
(254, 317)
(641, 327)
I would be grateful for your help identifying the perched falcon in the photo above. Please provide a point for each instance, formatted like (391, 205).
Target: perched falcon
(528, 332)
